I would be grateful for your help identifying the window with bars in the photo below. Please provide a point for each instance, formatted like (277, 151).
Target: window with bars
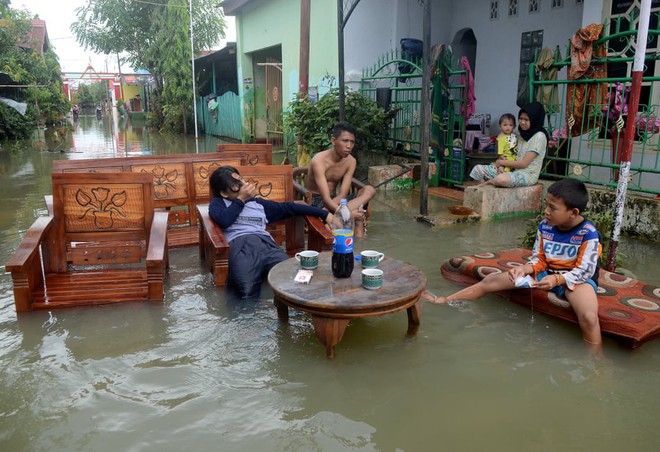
(556, 4)
(513, 7)
(494, 7)
(534, 6)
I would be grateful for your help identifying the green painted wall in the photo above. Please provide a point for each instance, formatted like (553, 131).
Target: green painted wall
(269, 27)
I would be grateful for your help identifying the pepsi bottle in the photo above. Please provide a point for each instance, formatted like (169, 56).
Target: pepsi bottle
(342, 248)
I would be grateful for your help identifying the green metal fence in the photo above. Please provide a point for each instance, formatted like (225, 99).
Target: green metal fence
(224, 119)
(586, 136)
(394, 82)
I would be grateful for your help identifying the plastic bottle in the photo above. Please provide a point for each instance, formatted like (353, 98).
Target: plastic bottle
(342, 249)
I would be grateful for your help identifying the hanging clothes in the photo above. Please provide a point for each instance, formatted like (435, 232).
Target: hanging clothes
(586, 98)
(467, 80)
(440, 102)
(547, 94)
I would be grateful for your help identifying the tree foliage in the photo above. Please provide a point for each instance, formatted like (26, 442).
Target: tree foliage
(92, 94)
(154, 35)
(45, 97)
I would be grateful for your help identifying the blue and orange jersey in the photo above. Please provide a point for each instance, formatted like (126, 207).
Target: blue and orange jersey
(573, 254)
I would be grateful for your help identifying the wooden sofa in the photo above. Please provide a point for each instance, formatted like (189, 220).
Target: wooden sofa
(103, 243)
(274, 183)
(180, 183)
(254, 154)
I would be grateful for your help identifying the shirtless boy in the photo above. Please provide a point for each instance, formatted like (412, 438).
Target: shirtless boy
(331, 172)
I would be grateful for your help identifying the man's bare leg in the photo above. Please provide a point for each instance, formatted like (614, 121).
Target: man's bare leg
(356, 205)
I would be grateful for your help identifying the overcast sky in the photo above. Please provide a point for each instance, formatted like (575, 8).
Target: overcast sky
(59, 15)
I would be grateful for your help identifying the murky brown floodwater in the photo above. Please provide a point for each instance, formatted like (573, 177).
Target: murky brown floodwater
(200, 372)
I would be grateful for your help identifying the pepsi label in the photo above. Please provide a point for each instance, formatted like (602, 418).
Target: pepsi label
(343, 243)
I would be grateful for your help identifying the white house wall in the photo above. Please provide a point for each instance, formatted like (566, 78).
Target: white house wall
(498, 45)
(377, 26)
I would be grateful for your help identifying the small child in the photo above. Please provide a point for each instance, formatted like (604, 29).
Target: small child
(564, 260)
(506, 140)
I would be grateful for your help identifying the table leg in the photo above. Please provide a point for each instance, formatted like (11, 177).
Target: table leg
(329, 331)
(414, 312)
(282, 310)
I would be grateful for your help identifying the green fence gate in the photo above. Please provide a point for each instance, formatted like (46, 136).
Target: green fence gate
(394, 82)
(587, 136)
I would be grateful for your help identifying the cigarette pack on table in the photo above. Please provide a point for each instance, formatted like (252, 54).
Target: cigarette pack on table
(303, 276)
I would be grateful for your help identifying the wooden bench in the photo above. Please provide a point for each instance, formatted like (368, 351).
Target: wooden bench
(274, 183)
(181, 181)
(254, 154)
(103, 243)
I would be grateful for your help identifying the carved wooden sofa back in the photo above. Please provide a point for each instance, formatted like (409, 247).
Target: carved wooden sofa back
(254, 154)
(181, 181)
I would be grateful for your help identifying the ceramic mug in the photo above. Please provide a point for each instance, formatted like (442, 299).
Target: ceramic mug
(309, 260)
(372, 278)
(370, 258)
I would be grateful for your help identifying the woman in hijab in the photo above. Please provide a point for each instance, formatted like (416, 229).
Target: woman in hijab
(530, 150)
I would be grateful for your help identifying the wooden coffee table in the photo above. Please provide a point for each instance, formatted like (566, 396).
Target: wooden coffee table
(333, 302)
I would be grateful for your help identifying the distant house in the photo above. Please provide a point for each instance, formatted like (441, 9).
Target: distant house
(268, 56)
(219, 108)
(37, 39)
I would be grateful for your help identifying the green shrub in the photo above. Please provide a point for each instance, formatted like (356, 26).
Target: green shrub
(313, 123)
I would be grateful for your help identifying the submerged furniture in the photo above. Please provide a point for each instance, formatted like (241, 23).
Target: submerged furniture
(274, 183)
(253, 153)
(103, 243)
(333, 302)
(628, 309)
(181, 181)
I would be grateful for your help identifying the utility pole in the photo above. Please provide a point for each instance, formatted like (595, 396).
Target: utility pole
(192, 61)
(633, 106)
(303, 79)
(426, 109)
(341, 24)
(340, 54)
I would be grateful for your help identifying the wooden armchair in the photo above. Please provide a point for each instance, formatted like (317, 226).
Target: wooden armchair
(103, 243)
(276, 184)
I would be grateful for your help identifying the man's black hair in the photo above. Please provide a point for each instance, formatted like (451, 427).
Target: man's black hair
(343, 127)
(222, 181)
(573, 192)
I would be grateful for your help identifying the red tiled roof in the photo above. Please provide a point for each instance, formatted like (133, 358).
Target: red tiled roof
(37, 39)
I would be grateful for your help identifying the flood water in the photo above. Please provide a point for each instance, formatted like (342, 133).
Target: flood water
(201, 372)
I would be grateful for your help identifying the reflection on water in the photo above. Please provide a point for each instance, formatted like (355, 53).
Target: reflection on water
(226, 375)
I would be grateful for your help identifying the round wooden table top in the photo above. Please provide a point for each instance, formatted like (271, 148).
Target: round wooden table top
(345, 297)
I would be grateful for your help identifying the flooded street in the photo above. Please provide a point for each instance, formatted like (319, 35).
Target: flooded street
(201, 372)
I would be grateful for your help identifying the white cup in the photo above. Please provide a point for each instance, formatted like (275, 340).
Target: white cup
(371, 258)
(309, 260)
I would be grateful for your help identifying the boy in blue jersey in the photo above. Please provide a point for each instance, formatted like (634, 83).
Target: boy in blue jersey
(564, 260)
(243, 218)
